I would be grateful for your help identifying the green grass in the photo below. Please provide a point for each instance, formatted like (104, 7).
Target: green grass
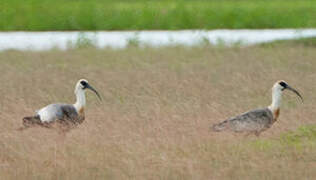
(44, 15)
(303, 137)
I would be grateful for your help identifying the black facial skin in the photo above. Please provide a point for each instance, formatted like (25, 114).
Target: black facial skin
(84, 84)
(283, 84)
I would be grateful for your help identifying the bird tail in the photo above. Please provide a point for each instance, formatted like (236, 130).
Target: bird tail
(220, 126)
(30, 121)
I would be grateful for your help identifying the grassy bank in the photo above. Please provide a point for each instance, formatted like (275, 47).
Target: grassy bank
(158, 104)
(44, 15)
(305, 42)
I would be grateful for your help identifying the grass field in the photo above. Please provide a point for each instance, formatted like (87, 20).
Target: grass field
(158, 104)
(43, 15)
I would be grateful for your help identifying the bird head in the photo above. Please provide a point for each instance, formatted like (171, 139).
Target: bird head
(281, 85)
(83, 84)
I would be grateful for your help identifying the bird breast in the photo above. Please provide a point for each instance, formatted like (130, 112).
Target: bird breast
(276, 114)
(81, 111)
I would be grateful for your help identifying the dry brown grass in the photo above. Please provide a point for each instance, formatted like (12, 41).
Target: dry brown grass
(157, 107)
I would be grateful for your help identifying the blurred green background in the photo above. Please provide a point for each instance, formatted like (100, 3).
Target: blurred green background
(63, 15)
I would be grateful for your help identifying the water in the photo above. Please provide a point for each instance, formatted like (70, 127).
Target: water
(39, 41)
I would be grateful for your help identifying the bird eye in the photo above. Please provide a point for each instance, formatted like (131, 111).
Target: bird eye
(83, 83)
(283, 84)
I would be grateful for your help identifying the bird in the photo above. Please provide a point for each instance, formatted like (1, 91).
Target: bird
(257, 120)
(65, 114)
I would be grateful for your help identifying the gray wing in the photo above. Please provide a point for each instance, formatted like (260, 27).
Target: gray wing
(255, 120)
(61, 112)
(68, 112)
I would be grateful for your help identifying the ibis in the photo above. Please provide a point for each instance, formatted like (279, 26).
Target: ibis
(65, 114)
(257, 120)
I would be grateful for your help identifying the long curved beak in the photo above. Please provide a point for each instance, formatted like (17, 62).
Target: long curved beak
(295, 91)
(95, 91)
